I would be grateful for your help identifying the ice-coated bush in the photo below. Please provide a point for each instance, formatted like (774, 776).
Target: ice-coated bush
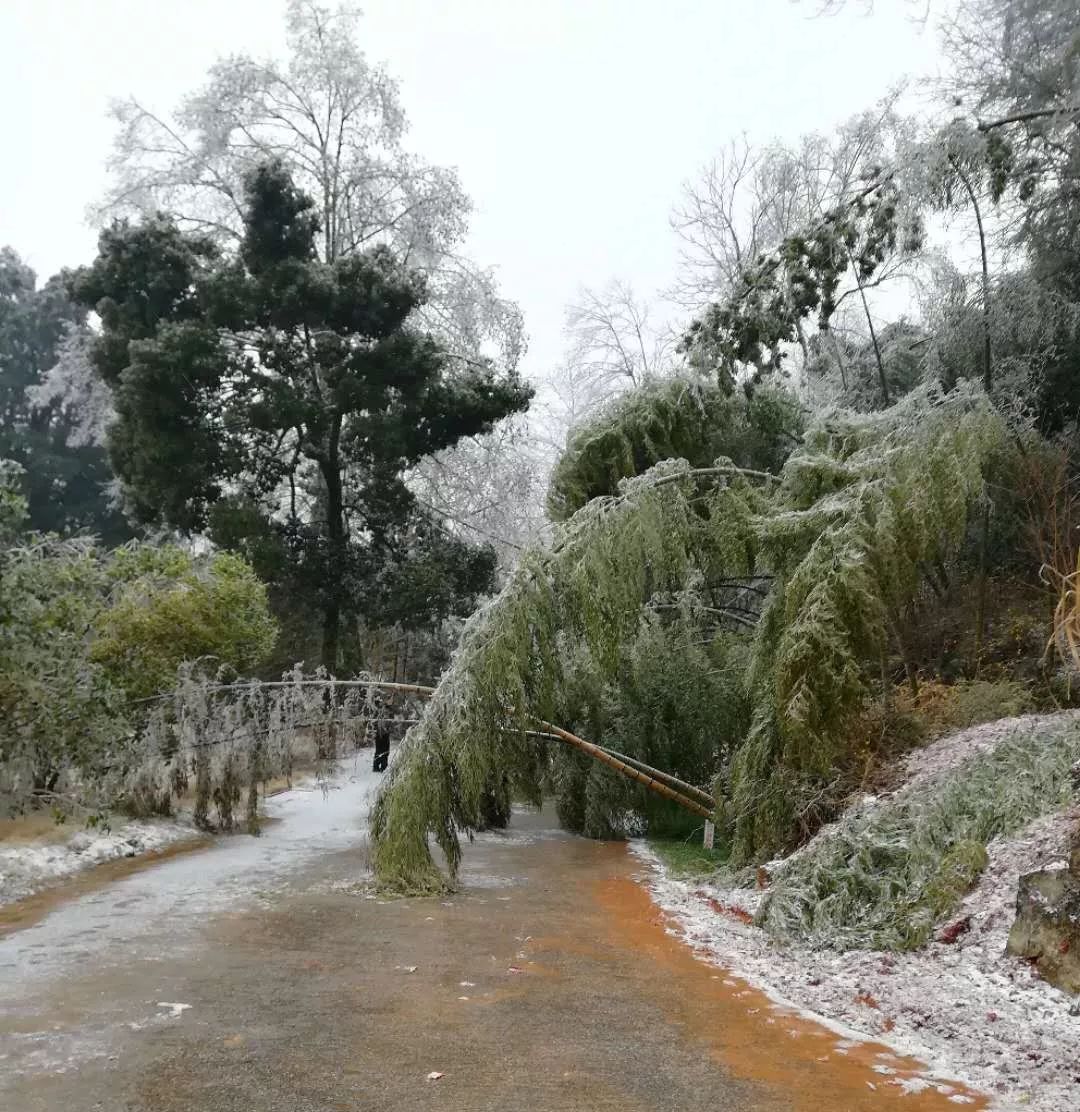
(887, 873)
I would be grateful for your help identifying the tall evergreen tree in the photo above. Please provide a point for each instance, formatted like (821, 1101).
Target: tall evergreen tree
(278, 399)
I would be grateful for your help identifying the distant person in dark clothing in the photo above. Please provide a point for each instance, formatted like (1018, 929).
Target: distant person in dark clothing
(382, 747)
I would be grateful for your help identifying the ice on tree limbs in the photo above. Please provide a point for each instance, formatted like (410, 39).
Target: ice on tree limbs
(856, 512)
(678, 418)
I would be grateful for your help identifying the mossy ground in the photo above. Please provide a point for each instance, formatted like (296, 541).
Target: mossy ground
(689, 858)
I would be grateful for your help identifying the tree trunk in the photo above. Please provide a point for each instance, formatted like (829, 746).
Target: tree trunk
(988, 382)
(201, 817)
(988, 367)
(335, 535)
(839, 359)
(909, 665)
(650, 782)
(980, 597)
(801, 337)
(331, 635)
(886, 400)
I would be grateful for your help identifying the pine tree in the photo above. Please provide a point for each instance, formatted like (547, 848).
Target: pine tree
(279, 399)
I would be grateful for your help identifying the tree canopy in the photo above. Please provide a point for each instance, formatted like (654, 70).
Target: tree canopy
(65, 478)
(272, 395)
(676, 418)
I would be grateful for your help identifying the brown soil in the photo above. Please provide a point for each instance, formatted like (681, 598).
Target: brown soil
(800, 1058)
(38, 827)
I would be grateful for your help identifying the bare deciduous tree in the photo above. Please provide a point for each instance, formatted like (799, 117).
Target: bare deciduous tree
(613, 339)
(616, 341)
(920, 9)
(748, 200)
(491, 487)
(336, 121)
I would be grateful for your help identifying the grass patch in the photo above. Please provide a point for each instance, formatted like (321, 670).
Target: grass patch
(887, 874)
(689, 858)
(37, 827)
(945, 708)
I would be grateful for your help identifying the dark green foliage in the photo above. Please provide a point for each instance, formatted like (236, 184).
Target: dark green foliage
(429, 578)
(298, 387)
(436, 576)
(960, 868)
(12, 502)
(677, 418)
(677, 702)
(64, 485)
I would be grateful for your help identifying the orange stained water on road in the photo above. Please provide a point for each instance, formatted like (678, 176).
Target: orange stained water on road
(757, 1039)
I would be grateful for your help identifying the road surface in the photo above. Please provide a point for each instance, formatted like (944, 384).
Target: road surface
(258, 975)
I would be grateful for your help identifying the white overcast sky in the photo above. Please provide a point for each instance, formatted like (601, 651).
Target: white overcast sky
(572, 122)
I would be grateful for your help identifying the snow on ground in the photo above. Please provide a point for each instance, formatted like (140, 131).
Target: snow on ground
(948, 752)
(180, 893)
(967, 1009)
(29, 867)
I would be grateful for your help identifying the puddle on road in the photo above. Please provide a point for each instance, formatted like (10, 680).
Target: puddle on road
(759, 1040)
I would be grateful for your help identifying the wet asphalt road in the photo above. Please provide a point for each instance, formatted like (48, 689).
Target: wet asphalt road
(260, 977)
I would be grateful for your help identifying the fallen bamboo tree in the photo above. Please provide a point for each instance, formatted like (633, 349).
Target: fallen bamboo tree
(694, 793)
(651, 779)
(860, 509)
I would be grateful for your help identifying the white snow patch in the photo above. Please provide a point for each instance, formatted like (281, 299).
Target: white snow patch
(30, 867)
(175, 1010)
(971, 1012)
(909, 1085)
(954, 750)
